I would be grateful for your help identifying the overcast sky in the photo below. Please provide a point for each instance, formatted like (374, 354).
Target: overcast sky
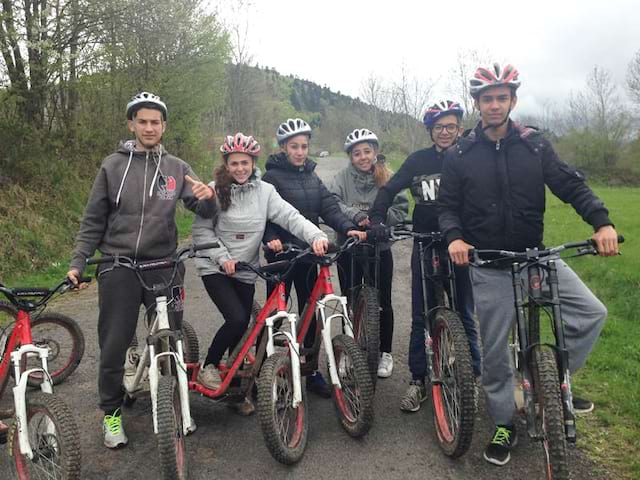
(554, 44)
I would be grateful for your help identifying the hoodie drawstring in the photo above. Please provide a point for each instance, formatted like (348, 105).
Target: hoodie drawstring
(155, 175)
(126, 171)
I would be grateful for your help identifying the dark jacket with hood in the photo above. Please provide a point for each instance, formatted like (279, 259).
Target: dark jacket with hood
(492, 194)
(302, 188)
(132, 206)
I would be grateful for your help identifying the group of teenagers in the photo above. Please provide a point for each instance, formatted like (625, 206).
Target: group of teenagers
(484, 188)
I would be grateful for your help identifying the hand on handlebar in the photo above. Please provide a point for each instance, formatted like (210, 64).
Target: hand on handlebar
(459, 252)
(275, 245)
(229, 267)
(606, 239)
(320, 246)
(378, 232)
(74, 276)
(362, 236)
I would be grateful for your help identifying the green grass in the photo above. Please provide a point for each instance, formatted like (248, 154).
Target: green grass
(611, 376)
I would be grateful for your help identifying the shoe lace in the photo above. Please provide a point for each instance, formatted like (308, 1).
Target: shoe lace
(113, 422)
(501, 436)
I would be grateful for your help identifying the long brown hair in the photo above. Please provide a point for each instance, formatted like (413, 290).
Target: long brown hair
(381, 172)
(223, 185)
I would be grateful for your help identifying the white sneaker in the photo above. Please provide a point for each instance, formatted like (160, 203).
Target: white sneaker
(385, 366)
(209, 376)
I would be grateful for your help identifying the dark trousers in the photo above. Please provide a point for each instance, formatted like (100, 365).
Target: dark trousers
(464, 292)
(120, 295)
(303, 277)
(385, 281)
(234, 300)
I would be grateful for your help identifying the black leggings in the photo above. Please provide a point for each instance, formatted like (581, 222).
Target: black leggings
(234, 300)
(385, 280)
(303, 276)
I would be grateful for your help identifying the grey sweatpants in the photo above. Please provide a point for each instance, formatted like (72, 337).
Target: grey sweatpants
(583, 315)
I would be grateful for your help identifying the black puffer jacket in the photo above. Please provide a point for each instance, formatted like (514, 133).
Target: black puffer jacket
(492, 194)
(302, 188)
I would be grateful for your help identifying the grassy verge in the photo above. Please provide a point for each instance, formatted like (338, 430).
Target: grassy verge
(611, 376)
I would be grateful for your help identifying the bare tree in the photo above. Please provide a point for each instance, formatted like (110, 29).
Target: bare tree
(633, 79)
(467, 61)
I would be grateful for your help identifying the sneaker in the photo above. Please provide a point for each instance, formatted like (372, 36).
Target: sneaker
(582, 406)
(415, 395)
(209, 376)
(317, 384)
(504, 439)
(114, 436)
(4, 432)
(244, 408)
(385, 366)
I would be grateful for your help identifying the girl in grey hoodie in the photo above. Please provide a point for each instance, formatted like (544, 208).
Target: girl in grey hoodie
(245, 204)
(355, 188)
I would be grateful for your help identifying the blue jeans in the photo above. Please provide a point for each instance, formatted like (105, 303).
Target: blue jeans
(464, 294)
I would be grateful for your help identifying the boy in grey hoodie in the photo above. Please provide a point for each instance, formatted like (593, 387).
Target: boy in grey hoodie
(131, 212)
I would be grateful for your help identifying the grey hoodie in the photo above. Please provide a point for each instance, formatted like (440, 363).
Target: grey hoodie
(132, 206)
(356, 191)
(240, 228)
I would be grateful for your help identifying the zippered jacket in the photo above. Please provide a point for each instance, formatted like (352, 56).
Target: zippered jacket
(240, 228)
(492, 194)
(356, 190)
(132, 206)
(420, 172)
(302, 188)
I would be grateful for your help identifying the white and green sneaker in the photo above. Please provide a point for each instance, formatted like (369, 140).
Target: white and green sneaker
(114, 436)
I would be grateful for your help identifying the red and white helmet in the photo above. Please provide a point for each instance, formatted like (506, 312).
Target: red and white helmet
(491, 77)
(240, 143)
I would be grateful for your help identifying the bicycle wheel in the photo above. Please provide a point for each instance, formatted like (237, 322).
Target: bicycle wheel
(190, 345)
(173, 459)
(54, 439)
(366, 326)
(284, 428)
(550, 415)
(354, 401)
(453, 385)
(64, 340)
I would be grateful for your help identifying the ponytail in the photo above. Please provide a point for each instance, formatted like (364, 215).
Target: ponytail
(381, 172)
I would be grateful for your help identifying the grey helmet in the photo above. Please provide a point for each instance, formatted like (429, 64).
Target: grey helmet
(291, 128)
(146, 100)
(359, 135)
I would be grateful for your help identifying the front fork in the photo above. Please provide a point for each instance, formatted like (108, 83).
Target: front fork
(20, 391)
(294, 349)
(326, 330)
(181, 371)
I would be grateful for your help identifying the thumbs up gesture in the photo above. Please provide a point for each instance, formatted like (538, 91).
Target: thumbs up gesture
(199, 189)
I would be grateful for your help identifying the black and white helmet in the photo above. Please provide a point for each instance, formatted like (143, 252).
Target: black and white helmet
(359, 135)
(146, 100)
(291, 128)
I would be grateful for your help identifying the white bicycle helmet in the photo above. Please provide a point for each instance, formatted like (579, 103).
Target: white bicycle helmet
(491, 77)
(359, 135)
(291, 128)
(240, 143)
(146, 100)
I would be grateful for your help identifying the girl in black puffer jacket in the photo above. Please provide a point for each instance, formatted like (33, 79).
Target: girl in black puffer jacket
(292, 173)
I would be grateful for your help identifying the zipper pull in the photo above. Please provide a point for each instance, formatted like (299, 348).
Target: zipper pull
(498, 145)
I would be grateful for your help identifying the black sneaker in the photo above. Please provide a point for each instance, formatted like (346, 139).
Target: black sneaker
(499, 448)
(582, 406)
(317, 384)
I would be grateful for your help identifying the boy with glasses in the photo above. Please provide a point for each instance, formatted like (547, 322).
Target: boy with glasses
(421, 173)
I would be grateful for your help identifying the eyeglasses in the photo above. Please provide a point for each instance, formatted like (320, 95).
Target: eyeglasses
(450, 128)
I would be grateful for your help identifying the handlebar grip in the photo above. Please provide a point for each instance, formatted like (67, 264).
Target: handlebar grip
(620, 238)
(84, 280)
(332, 248)
(96, 261)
